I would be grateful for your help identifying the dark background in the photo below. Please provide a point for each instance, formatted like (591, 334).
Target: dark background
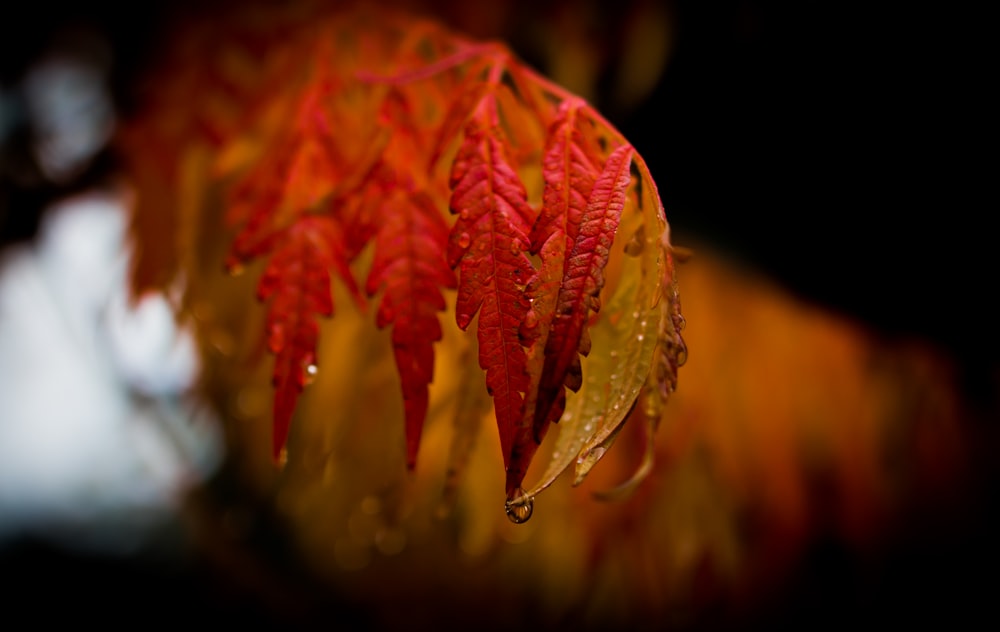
(836, 148)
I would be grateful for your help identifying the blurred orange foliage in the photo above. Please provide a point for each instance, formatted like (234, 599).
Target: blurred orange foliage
(790, 424)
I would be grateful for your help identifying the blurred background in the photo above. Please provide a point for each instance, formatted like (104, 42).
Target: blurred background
(813, 156)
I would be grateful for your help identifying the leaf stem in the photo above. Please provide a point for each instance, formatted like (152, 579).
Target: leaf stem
(464, 54)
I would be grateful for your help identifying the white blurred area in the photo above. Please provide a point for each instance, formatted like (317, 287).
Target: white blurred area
(100, 438)
(97, 445)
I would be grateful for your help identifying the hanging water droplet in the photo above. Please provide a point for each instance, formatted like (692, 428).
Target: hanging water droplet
(282, 458)
(635, 314)
(640, 337)
(592, 456)
(682, 355)
(464, 213)
(464, 240)
(519, 507)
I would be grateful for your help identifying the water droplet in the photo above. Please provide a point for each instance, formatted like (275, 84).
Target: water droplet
(519, 507)
(282, 458)
(464, 240)
(595, 455)
(309, 372)
(635, 314)
(234, 268)
(531, 319)
(682, 355)
(515, 248)
(614, 354)
(464, 213)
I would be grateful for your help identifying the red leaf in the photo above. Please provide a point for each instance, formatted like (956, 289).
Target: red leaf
(470, 91)
(581, 287)
(409, 265)
(296, 284)
(302, 170)
(569, 168)
(489, 240)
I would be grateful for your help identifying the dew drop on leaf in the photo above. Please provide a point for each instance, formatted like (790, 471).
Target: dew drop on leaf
(464, 240)
(682, 355)
(519, 507)
(309, 373)
(531, 319)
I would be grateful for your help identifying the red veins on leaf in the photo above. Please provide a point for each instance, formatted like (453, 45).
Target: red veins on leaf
(488, 244)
